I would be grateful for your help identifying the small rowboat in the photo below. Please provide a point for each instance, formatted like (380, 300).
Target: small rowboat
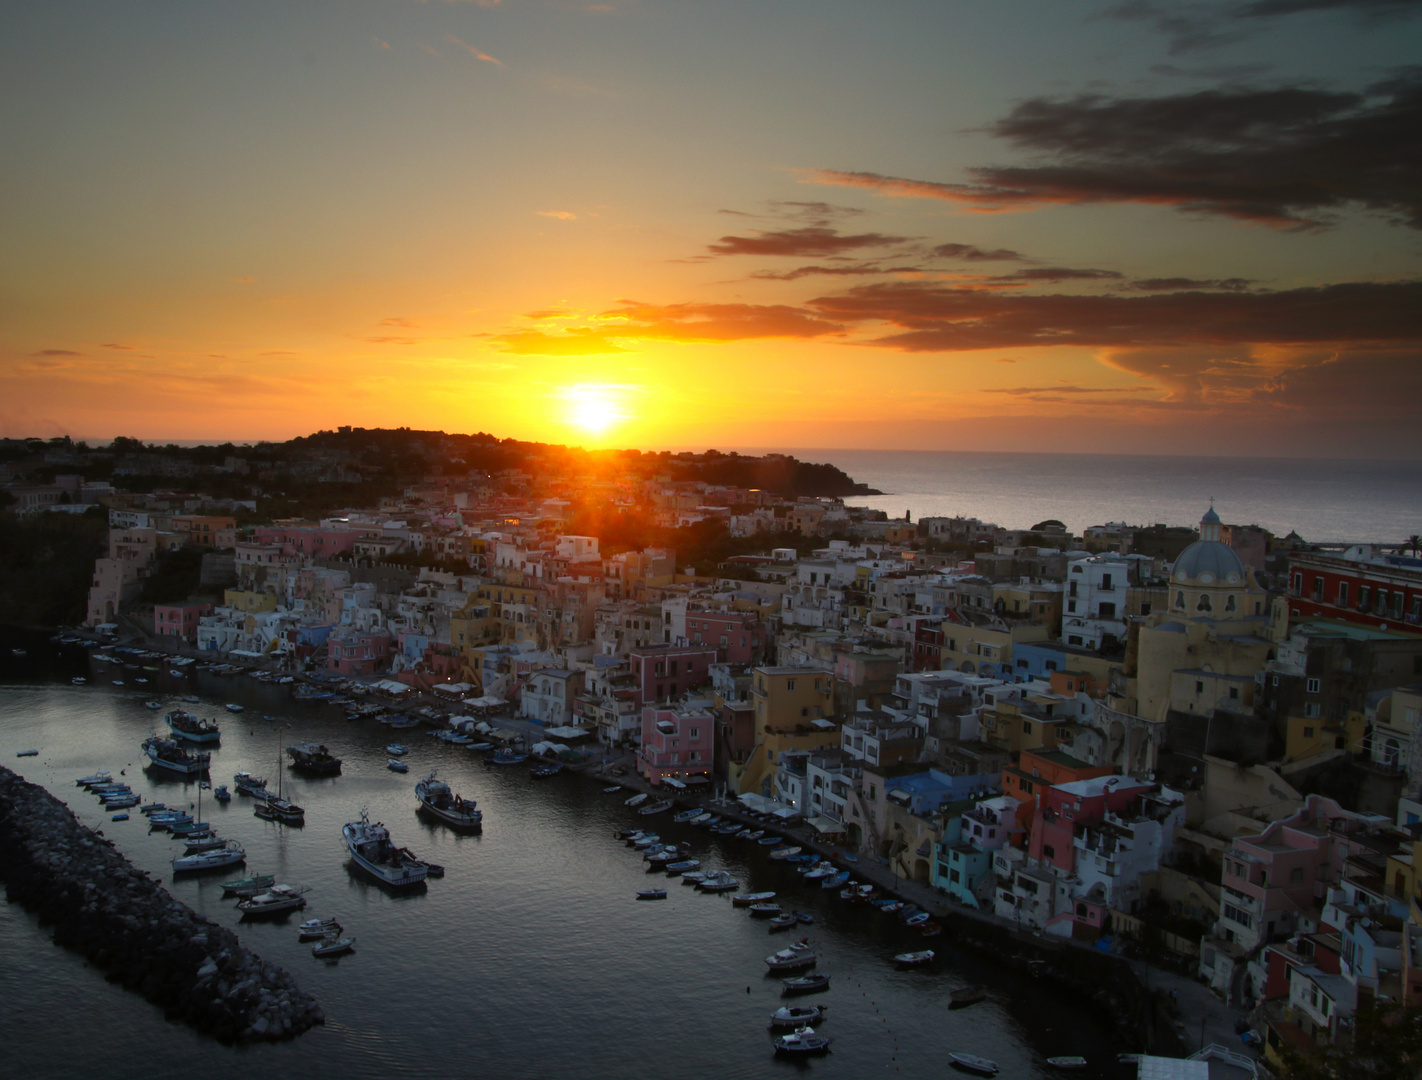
(966, 995)
(651, 894)
(1067, 1062)
(974, 1064)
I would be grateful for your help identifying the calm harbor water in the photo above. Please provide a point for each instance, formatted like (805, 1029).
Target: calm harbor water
(531, 957)
(1324, 500)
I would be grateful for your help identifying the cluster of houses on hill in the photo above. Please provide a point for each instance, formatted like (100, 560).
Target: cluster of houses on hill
(1204, 741)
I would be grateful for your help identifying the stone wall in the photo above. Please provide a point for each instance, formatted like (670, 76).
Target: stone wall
(128, 926)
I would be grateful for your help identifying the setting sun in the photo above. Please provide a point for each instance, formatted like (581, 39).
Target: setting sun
(595, 409)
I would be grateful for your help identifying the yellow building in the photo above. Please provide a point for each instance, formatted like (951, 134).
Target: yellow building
(249, 601)
(1306, 737)
(793, 708)
(985, 649)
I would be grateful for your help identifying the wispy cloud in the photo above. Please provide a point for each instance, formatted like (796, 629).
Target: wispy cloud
(808, 242)
(973, 253)
(472, 51)
(56, 352)
(561, 215)
(575, 341)
(695, 322)
(379, 44)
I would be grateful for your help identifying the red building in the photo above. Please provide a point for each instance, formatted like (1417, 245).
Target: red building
(664, 671)
(739, 637)
(1361, 585)
(179, 620)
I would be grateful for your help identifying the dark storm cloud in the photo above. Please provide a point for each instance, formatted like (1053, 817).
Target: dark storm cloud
(810, 242)
(937, 318)
(973, 253)
(1292, 157)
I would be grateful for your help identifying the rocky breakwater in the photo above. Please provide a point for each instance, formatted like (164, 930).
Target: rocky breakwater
(131, 928)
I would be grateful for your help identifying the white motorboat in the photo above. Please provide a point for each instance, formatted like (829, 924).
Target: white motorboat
(794, 957)
(974, 1064)
(312, 929)
(720, 881)
(213, 859)
(167, 755)
(796, 1016)
(374, 852)
(333, 945)
(802, 1040)
(233, 707)
(277, 900)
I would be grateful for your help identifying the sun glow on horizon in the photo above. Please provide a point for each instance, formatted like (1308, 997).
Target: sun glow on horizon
(595, 408)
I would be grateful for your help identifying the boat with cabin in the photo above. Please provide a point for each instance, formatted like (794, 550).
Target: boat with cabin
(312, 929)
(439, 801)
(333, 945)
(373, 851)
(190, 726)
(804, 984)
(278, 900)
(167, 756)
(313, 759)
(247, 784)
(794, 957)
(505, 756)
(802, 1041)
(230, 854)
(248, 886)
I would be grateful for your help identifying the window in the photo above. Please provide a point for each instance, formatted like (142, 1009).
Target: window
(1296, 875)
(693, 733)
(1318, 588)
(1048, 852)
(1311, 710)
(1026, 727)
(1234, 693)
(1342, 594)
(1314, 685)
(1199, 686)
(1106, 582)
(1235, 915)
(1204, 603)
(789, 684)
(1307, 732)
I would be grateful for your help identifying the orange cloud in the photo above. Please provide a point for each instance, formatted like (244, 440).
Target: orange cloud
(472, 51)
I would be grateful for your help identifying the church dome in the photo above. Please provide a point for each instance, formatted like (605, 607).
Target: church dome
(1209, 560)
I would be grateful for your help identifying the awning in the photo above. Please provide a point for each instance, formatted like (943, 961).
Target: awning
(672, 781)
(390, 686)
(698, 779)
(568, 732)
(454, 688)
(826, 826)
(758, 803)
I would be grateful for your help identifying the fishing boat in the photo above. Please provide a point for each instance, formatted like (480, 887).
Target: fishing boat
(276, 808)
(784, 921)
(719, 881)
(168, 756)
(397, 750)
(313, 759)
(222, 794)
(794, 1016)
(101, 777)
(794, 957)
(439, 801)
(974, 1064)
(804, 984)
(637, 800)
(396, 765)
(333, 945)
(612, 790)
(233, 707)
(278, 900)
(685, 815)
(656, 808)
(546, 769)
(1067, 1062)
(651, 894)
(802, 1041)
(764, 911)
(681, 866)
(247, 784)
(192, 727)
(785, 852)
(373, 851)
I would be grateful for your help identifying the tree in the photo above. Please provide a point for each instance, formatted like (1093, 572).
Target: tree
(1415, 543)
(1386, 1045)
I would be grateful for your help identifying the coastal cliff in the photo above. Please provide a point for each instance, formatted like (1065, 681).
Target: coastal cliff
(127, 925)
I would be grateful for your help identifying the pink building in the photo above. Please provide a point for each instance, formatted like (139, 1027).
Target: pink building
(1068, 809)
(358, 652)
(664, 671)
(739, 637)
(179, 620)
(309, 540)
(676, 743)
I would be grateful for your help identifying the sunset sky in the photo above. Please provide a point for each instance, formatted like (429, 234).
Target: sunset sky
(951, 224)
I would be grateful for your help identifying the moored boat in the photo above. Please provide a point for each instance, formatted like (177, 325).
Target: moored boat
(231, 854)
(282, 811)
(248, 886)
(974, 1064)
(656, 808)
(1067, 1062)
(312, 929)
(374, 852)
(167, 755)
(795, 957)
(247, 784)
(794, 1016)
(313, 759)
(637, 800)
(278, 900)
(765, 910)
(504, 756)
(802, 1040)
(747, 899)
(396, 765)
(914, 959)
(190, 726)
(784, 921)
(333, 945)
(804, 984)
(439, 801)
(222, 794)
(651, 894)
(966, 995)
